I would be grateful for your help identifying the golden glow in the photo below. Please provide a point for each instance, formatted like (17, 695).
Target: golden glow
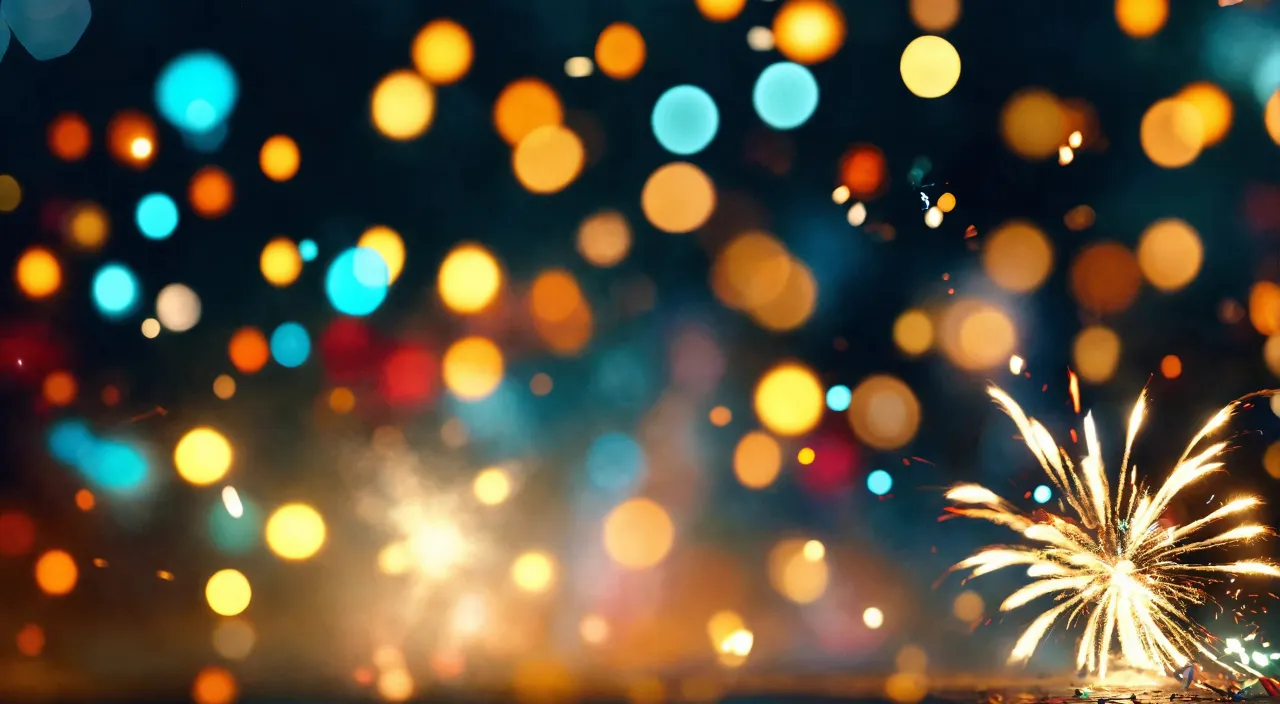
(228, 593)
(1172, 133)
(295, 532)
(883, 412)
(720, 10)
(402, 105)
(789, 399)
(809, 31)
(202, 456)
(930, 67)
(1115, 567)
(1033, 124)
(524, 106)
(757, 460)
(1141, 18)
(56, 573)
(533, 572)
(638, 533)
(38, 273)
(469, 279)
(678, 198)
(472, 368)
(604, 238)
(492, 486)
(1170, 254)
(548, 159)
(913, 332)
(280, 158)
(211, 192)
(442, 52)
(1017, 256)
(280, 263)
(1214, 106)
(620, 51)
(1096, 352)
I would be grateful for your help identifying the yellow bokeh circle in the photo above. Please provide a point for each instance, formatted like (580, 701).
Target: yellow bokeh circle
(548, 159)
(280, 158)
(402, 105)
(472, 368)
(38, 273)
(638, 533)
(1172, 133)
(1017, 256)
(1271, 117)
(720, 10)
(757, 460)
(295, 532)
(281, 262)
(1214, 106)
(976, 335)
(228, 593)
(202, 456)
(524, 106)
(442, 52)
(789, 399)
(1141, 18)
(56, 573)
(604, 239)
(533, 572)
(930, 67)
(913, 332)
(469, 279)
(795, 575)
(809, 31)
(1170, 254)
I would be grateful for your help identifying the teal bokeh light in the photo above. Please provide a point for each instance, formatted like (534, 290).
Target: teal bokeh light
(785, 96)
(115, 290)
(290, 345)
(233, 535)
(197, 91)
(685, 120)
(357, 281)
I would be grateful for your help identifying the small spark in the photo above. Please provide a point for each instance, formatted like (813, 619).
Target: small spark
(1073, 387)
(1016, 364)
(1075, 140)
(1065, 155)
(231, 500)
(165, 575)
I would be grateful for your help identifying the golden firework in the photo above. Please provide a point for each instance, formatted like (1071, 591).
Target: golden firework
(1114, 566)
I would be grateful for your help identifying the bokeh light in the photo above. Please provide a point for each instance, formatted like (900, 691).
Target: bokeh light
(620, 51)
(402, 105)
(280, 262)
(197, 91)
(88, 225)
(879, 482)
(548, 159)
(533, 572)
(1172, 133)
(279, 158)
(1033, 124)
(1170, 254)
(1214, 106)
(115, 290)
(913, 332)
(156, 216)
(290, 345)
(234, 638)
(202, 456)
(685, 120)
(795, 575)
(442, 52)
(211, 192)
(388, 244)
(839, 397)
(1141, 18)
(883, 412)
(720, 10)
(678, 198)
(248, 350)
(178, 308)
(604, 239)
(757, 460)
(295, 532)
(1171, 366)
(224, 387)
(214, 685)
(69, 137)
(228, 593)
(356, 282)
(638, 533)
(491, 486)
(1096, 352)
(17, 533)
(469, 279)
(864, 171)
(934, 15)
(930, 67)
(809, 31)
(132, 139)
(56, 573)
(789, 399)
(1105, 277)
(976, 335)
(785, 95)
(472, 368)
(1017, 256)
(38, 273)
(1042, 494)
(59, 388)
(524, 106)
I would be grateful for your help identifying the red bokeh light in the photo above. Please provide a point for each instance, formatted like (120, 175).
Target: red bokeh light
(409, 377)
(349, 351)
(863, 169)
(834, 465)
(17, 534)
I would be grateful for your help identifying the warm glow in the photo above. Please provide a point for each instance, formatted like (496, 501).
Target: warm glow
(789, 399)
(524, 106)
(295, 532)
(388, 244)
(279, 158)
(56, 573)
(228, 593)
(211, 192)
(533, 572)
(678, 198)
(469, 279)
(472, 368)
(638, 533)
(38, 273)
(809, 31)
(620, 51)
(442, 52)
(202, 456)
(280, 262)
(402, 105)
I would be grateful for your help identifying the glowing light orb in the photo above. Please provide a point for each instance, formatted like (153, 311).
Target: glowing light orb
(357, 281)
(295, 532)
(202, 456)
(115, 291)
(879, 482)
(1042, 494)
(290, 345)
(839, 397)
(197, 92)
(308, 250)
(930, 67)
(789, 400)
(685, 120)
(156, 216)
(469, 279)
(228, 593)
(785, 95)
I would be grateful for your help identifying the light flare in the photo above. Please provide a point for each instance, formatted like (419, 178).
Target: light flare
(1111, 563)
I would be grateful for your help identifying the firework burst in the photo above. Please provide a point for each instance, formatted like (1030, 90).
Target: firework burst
(1113, 566)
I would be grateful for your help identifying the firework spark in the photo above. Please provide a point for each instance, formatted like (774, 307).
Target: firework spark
(1113, 566)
